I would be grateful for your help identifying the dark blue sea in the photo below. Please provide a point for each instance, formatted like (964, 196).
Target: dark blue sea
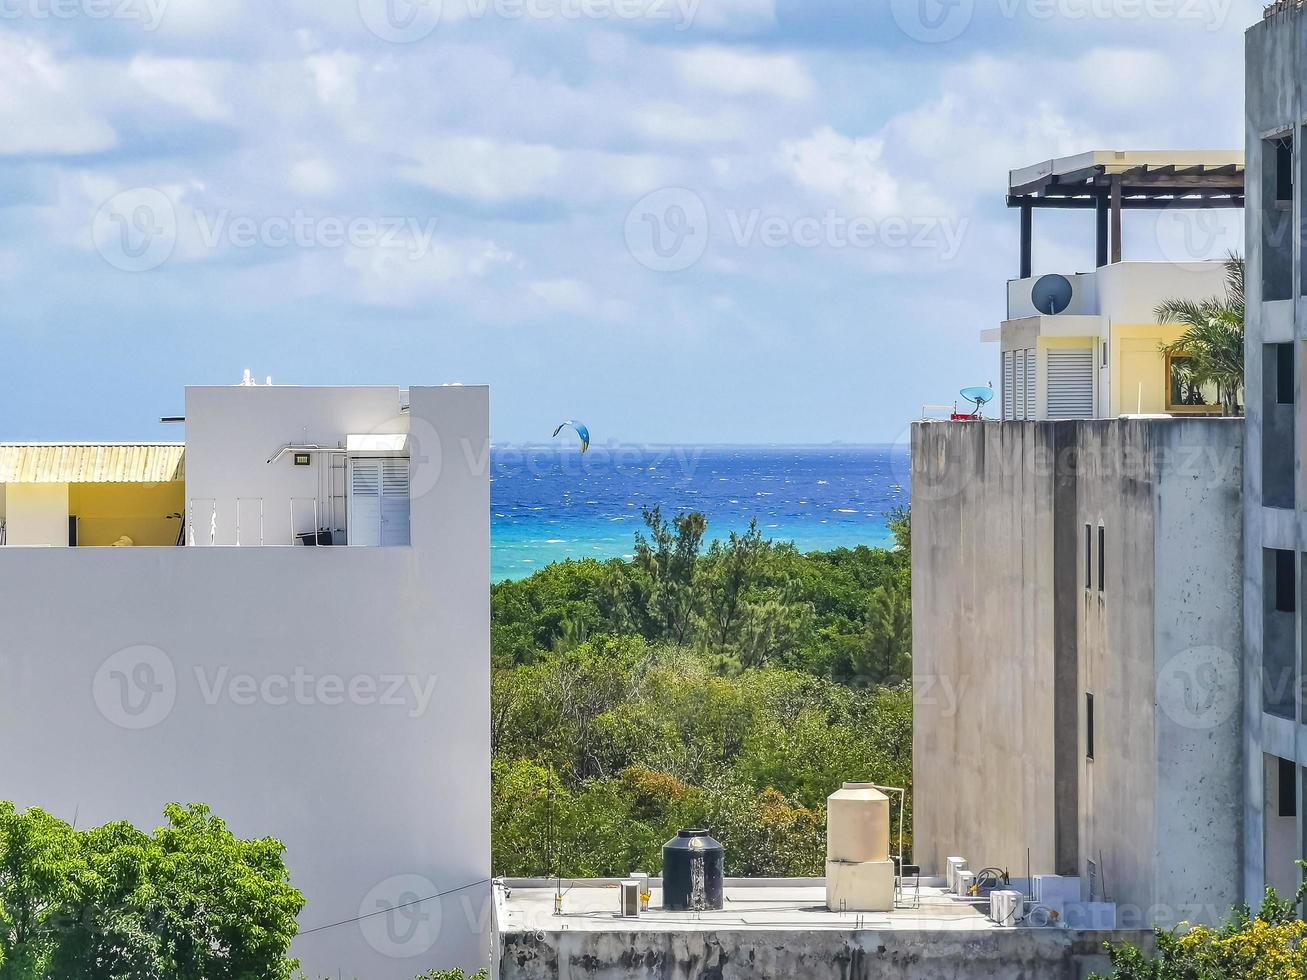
(553, 503)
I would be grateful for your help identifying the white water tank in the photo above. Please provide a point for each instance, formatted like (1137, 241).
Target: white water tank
(859, 872)
(857, 824)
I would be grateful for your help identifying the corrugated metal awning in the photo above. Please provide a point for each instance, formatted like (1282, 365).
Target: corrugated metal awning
(92, 462)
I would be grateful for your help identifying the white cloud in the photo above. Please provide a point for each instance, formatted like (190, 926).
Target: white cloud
(492, 171)
(485, 170)
(670, 122)
(335, 77)
(43, 107)
(190, 84)
(738, 73)
(313, 176)
(844, 169)
(576, 298)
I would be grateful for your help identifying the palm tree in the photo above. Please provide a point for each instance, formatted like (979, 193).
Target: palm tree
(1212, 347)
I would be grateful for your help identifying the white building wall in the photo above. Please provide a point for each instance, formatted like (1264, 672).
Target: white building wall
(334, 698)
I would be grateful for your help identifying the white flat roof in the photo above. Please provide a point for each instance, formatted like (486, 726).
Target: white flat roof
(800, 905)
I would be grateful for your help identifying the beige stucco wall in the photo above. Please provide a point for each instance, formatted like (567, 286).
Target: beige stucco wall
(36, 514)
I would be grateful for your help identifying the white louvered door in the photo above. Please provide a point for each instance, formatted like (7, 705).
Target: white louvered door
(1071, 384)
(379, 501)
(394, 501)
(364, 502)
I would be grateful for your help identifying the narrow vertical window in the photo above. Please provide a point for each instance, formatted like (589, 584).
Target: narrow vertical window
(1089, 727)
(1288, 788)
(1105, 353)
(1286, 585)
(1089, 557)
(1284, 374)
(1101, 550)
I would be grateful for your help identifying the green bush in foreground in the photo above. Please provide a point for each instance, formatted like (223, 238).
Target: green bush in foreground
(188, 902)
(1270, 946)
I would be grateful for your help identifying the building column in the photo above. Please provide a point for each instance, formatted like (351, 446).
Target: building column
(1116, 218)
(1101, 241)
(1027, 231)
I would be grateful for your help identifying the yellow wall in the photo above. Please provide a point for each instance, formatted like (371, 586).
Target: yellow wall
(36, 514)
(1135, 361)
(107, 511)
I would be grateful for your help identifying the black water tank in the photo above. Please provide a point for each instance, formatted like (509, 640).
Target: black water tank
(693, 869)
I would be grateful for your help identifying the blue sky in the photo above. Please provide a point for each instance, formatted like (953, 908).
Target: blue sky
(680, 220)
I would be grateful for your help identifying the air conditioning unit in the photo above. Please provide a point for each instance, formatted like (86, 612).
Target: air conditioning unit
(954, 865)
(1006, 907)
(964, 879)
(1055, 892)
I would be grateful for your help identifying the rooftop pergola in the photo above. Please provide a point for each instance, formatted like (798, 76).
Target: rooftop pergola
(1111, 181)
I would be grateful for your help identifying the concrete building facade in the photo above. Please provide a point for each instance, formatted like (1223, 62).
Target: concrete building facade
(1077, 611)
(1274, 492)
(336, 698)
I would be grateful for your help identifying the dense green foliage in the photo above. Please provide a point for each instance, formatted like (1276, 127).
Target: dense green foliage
(188, 902)
(1269, 946)
(733, 686)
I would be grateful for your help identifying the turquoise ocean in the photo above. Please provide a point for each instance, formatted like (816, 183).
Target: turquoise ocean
(553, 503)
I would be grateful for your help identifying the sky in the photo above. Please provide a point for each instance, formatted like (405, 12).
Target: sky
(681, 221)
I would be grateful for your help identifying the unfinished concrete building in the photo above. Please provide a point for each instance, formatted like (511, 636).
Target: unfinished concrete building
(1076, 611)
(1275, 537)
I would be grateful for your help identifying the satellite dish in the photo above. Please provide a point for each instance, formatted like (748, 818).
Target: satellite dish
(1052, 294)
(979, 396)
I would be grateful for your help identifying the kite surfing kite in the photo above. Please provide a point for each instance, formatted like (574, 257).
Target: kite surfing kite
(581, 431)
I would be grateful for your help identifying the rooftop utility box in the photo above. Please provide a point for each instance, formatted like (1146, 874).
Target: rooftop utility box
(859, 872)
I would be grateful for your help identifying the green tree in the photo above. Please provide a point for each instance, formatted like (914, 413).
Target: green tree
(730, 569)
(189, 902)
(1211, 350)
(667, 561)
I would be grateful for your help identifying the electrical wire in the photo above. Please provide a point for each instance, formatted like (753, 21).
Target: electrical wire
(395, 908)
